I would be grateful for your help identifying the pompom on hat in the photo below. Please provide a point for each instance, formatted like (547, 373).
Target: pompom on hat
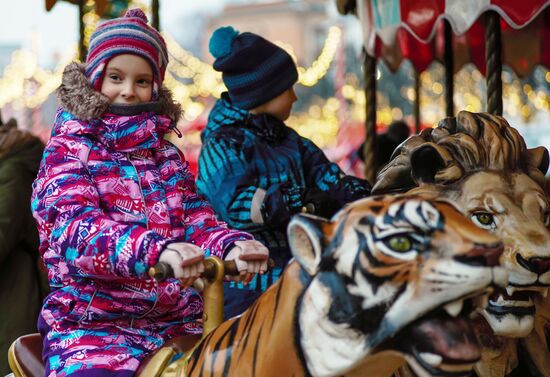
(254, 70)
(129, 34)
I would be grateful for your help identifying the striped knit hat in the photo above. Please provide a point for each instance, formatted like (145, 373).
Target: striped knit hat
(254, 70)
(126, 35)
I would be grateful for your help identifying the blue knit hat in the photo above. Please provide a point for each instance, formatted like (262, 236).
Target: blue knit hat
(254, 70)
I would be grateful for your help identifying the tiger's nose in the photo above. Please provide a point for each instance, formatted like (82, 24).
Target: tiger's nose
(537, 265)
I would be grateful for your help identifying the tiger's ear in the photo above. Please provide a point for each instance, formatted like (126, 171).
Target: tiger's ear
(305, 235)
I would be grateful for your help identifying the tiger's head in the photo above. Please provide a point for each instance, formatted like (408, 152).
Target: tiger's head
(481, 164)
(392, 273)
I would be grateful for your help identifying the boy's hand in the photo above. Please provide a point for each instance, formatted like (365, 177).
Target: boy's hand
(185, 259)
(251, 258)
(321, 203)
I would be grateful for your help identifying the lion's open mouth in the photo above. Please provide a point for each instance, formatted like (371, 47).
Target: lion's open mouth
(519, 303)
(442, 343)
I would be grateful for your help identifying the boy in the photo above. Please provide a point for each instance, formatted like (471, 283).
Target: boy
(255, 170)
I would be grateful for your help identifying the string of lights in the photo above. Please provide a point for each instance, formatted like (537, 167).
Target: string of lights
(188, 77)
(24, 84)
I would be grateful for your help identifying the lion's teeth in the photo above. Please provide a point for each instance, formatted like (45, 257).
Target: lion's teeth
(544, 292)
(431, 358)
(453, 308)
(510, 290)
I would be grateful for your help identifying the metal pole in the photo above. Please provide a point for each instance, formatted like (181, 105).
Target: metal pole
(416, 101)
(449, 70)
(493, 62)
(370, 121)
(81, 46)
(156, 19)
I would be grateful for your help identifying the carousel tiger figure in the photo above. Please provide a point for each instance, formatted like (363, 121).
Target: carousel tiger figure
(390, 275)
(481, 163)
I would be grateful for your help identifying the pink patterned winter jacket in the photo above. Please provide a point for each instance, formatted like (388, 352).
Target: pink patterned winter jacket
(110, 194)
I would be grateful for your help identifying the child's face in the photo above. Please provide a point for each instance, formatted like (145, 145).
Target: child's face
(128, 80)
(279, 106)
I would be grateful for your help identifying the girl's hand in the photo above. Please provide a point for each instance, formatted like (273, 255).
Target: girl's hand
(250, 257)
(185, 259)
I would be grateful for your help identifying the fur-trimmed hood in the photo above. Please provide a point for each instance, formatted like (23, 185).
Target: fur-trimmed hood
(77, 96)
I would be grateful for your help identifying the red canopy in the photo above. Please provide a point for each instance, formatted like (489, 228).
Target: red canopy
(399, 29)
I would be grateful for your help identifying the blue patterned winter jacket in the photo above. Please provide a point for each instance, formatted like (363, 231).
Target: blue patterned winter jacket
(239, 157)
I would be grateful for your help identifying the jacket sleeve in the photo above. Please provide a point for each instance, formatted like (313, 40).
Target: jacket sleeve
(230, 182)
(14, 198)
(66, 206)
(327, 176)
(201, 226)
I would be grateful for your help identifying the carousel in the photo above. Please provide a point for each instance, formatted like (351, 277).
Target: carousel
(444, 271)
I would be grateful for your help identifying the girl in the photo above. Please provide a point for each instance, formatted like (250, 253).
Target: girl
(113, 198)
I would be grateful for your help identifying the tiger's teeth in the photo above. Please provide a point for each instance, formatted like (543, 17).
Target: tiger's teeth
(510, 290)
(453, 308)
(431, 358)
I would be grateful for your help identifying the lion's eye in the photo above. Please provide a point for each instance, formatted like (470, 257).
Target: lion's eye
(400, 243)
(547, 219)
(484, 220)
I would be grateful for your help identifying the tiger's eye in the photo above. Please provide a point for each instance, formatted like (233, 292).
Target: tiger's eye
(400, 243)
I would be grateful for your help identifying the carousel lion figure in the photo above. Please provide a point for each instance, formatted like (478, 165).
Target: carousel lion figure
(481, 164)
(388, 278)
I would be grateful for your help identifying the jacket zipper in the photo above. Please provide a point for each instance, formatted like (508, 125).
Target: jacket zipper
(147, 226)
(140, 191)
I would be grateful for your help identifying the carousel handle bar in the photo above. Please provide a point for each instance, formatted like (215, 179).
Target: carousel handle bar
(162, 271)
(211, 285)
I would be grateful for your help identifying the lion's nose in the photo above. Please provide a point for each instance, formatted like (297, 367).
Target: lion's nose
(482, 255)
(537, 265)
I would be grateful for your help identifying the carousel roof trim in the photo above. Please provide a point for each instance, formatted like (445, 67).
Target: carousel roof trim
(398, 30)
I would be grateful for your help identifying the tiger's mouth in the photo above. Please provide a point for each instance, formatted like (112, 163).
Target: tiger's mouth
(442, 343)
